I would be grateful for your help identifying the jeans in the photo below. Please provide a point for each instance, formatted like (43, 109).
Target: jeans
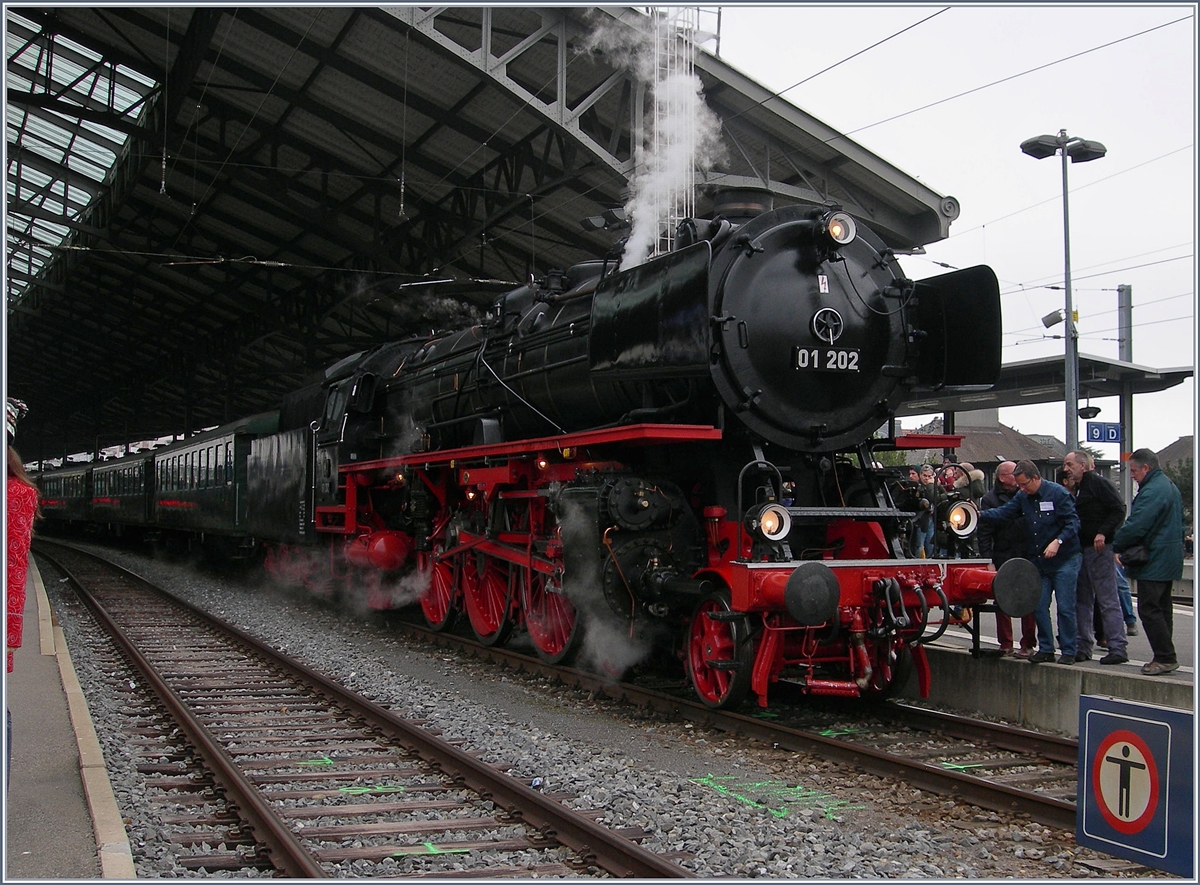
(1126, 597)
(1059, 586)
(922, 539)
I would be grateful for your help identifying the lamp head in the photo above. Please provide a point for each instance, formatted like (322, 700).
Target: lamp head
(1089, 412)
(1053, 318)
(1086, 151)
(1041, 146)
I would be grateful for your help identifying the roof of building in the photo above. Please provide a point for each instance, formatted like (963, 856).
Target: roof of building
(1183, 449)
(982, 446)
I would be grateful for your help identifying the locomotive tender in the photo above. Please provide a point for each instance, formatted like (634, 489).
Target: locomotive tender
(677, 456)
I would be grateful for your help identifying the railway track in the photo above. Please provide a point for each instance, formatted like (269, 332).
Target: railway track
(991, 765)
(270, 766)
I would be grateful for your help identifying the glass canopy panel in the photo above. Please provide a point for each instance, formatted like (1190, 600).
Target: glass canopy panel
(58, 165)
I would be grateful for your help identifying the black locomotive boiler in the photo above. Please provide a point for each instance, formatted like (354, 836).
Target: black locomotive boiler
(679, 455)
(677, 458)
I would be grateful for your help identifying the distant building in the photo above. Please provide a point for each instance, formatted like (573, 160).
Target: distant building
(1053, 443)
(987, 442)
(1177, 453)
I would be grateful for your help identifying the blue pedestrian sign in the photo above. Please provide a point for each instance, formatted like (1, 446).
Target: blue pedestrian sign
(1103, 432)
(1135, 783)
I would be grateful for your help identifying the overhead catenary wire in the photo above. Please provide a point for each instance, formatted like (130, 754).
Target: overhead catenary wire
(253, 117)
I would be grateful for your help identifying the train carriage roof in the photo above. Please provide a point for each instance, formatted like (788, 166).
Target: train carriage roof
(209, 205)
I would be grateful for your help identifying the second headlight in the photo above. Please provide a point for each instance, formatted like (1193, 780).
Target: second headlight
(771, 521)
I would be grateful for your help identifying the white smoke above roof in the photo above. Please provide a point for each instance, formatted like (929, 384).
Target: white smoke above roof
(681, 134)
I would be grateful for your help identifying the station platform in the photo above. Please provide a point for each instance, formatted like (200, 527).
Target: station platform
(61, 819)
(1046, 696)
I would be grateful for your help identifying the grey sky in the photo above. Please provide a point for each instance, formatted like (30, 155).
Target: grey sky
(1123, 75)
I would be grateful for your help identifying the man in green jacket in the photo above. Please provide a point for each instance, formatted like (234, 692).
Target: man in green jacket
(1156, 523)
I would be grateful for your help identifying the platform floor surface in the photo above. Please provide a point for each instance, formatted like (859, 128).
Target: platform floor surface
(48, 832)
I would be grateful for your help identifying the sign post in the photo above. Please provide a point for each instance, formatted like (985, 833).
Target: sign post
(1103, 432)
(1135, 783)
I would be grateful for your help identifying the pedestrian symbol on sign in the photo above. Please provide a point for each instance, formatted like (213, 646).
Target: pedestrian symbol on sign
(1125, 780)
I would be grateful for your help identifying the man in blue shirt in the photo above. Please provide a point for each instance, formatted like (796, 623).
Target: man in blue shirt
(1049, 511)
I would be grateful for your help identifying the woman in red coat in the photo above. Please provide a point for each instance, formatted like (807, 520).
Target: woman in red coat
(21, 501)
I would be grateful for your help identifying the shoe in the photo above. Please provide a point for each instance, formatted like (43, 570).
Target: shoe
(1102, 643)
(1081, 656)
(1131, 629)
(1041, 657)
(1023, 653)
(1113, 658)
(1006, 652)
(1070, 659)
(1157, 668)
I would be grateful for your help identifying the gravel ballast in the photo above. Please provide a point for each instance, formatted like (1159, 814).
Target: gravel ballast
(736, 808)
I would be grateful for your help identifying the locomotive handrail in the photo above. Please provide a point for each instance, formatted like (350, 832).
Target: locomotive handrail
(741, 511)
(848, 512)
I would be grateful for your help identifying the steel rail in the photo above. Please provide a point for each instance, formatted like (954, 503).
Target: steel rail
(1007, 737)
(284, 850)
(979, 792)
(589, 839)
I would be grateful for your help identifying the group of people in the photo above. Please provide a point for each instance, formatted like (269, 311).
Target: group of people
(933, 487)
(1076, 533)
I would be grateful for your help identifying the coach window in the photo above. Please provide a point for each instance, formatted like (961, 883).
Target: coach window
(228, 463)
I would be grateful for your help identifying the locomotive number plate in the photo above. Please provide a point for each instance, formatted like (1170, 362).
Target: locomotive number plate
(826, 359)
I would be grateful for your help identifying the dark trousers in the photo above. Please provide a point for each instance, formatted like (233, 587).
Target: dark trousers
(1154, 608)
(1004, 631)
(1096, 593)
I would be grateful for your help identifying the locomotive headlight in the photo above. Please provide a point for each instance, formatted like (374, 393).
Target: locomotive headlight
(962, 519)
(841, 228)
(772, 521)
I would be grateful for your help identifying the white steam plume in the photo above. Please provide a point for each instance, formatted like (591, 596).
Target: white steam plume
(682, 134)
(608, 649)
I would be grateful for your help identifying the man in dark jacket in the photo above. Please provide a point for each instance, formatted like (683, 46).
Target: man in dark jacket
(1002, 541)
(1156, 522)
(1049, 511)
(1101, 512)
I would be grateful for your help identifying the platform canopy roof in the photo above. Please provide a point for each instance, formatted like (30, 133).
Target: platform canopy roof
(206, 205)
(1042, 380)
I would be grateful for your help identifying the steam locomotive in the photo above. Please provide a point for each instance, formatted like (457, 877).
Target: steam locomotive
(677, 458)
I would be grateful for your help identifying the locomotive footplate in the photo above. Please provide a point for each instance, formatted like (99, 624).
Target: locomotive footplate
(632, 434)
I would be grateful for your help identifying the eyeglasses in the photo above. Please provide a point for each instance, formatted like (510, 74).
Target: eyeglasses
(1021, 483)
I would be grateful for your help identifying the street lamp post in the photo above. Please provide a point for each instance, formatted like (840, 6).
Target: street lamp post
(1079, 151)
